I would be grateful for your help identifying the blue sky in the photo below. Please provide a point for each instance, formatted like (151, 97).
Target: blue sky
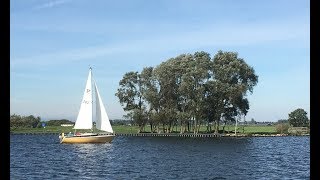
(53, 43)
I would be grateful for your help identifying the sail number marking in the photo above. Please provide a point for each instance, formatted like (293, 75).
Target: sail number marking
(86, 102)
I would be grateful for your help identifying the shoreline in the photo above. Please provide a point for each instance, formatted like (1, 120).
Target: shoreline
(172, 134)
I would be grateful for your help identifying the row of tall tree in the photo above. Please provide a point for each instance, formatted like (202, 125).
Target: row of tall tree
(18, 121)
(58, 122)
(188, 90)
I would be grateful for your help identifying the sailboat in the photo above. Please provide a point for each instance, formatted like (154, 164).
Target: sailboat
(85, 118)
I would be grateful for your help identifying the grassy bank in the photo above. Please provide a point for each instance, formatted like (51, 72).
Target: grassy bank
(248, 129)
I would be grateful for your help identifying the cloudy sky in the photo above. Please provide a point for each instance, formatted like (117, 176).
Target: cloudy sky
(53, 43)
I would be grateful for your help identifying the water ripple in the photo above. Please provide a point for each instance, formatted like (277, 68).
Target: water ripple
(43, 157)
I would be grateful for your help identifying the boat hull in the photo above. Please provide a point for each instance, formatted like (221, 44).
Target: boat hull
(86, 139)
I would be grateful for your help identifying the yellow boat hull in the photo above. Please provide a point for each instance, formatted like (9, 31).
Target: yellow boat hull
(86, 139)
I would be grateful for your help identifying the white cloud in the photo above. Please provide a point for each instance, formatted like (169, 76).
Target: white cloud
(51, 3)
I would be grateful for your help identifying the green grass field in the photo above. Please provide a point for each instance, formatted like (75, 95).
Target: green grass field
(247, 129)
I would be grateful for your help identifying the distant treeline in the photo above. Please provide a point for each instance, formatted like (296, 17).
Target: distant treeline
(58, 122)
(66, 121)
(24, 121)
(18, 121)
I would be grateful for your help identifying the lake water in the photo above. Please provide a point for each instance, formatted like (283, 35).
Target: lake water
(43, 157)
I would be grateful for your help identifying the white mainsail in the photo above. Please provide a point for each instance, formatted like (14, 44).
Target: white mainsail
(84, 119)
(102, 119)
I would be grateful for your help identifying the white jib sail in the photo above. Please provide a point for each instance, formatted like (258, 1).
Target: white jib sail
(102, 119)
(84, 119)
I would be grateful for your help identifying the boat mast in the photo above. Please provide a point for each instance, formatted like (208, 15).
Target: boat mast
(84, 119)
(90, 68)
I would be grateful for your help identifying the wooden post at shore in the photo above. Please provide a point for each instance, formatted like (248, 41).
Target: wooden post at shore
(235, 130)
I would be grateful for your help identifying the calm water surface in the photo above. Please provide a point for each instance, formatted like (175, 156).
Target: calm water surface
(43, 157)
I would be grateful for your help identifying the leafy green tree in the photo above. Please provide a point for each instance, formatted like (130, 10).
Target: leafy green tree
(298, 118)
(130, 95)
(128, 91)
(233, 78)
(166, 74)
(200, 75)
(184, 101)
(150, 93)
(15, 121)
